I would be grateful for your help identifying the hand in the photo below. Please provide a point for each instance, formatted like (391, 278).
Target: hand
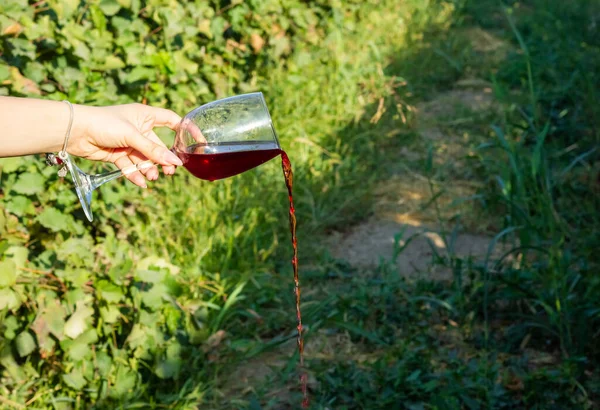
(124, 135)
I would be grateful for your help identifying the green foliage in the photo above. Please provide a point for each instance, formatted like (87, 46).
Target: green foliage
(8, 273)
(130, 311)
(80, 307)
(179, 54)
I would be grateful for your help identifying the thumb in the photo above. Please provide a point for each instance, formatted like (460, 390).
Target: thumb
(165, 118)
(157, 153)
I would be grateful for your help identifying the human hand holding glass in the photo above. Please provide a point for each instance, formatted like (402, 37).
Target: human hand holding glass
(217, 140)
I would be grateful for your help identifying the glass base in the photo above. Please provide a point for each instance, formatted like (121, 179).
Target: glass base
(85, 184)
(83, 187)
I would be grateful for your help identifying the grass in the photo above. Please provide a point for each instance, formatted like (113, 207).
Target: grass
(517, 330)
(511, 331)
(503, 334)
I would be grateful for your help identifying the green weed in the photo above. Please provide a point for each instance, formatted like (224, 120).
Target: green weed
(188, 287)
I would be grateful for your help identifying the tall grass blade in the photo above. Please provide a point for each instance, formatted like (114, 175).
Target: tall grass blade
(576, 161)
(233, 298)
(536, 158)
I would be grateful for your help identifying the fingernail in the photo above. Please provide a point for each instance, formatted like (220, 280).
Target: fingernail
(173, 159)
(140, 181)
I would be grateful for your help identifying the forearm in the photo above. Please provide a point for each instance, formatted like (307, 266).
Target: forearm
(32, 126)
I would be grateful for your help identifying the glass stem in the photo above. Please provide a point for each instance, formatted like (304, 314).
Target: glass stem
(101, 179)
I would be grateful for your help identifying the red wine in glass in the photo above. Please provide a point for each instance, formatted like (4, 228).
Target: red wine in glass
(217, 161)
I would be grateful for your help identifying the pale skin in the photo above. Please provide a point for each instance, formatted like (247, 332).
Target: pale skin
(121, 134)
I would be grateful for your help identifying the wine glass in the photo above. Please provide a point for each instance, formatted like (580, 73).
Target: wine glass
(215, 141)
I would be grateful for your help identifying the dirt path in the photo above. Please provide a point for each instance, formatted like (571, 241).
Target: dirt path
(375, 241)
(404, 212)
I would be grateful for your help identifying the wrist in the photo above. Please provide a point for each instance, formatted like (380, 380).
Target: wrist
(62, 116)
(79, 129)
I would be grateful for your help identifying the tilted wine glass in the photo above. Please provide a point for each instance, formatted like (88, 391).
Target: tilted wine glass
(215, 141)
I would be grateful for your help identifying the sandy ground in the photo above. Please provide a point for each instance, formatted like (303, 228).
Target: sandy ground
(400, 220)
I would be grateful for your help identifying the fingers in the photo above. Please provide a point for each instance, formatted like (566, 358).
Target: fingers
(135, 177)
(195, 132)
(151, 149)
(167, 169)
(165, 118)
(151, 172)
(192, 138)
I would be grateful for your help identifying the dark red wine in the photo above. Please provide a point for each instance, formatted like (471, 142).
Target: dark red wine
(289, 182)
(212, 162)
